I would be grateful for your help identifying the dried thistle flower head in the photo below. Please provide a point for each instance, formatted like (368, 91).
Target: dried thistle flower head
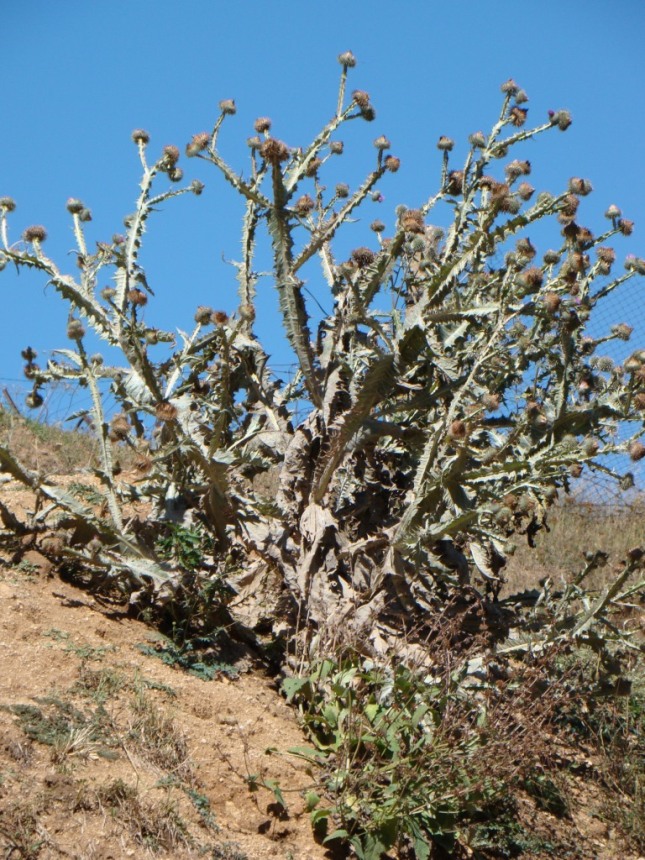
(377, 226)
(531, 278)
(254, 142)
(579, 186)
(445, 144)
(313, 167)
(635, 264)
(175, 174)
(613, 212)
(412, 221)
(198, 143)
(137, 297)
(274, 151)
(165, 411)
(262, 124)
(75, 329)
(639, 400)
(203, 315)
(525, 191)
(29, 354)
(517, 115)
(458, 429)
(219, 317)
(552, 302)
(636, 451)
(491, 402)
(477, 140)
(392, 163)
(170, 155)
(363, 257)
(510, 88)
(382, 142)
(517, 168)
(361, 98)
(561, 118)
(140, 136)
(108, 293)
(626, 227)
(336, 147)
(119, 427)
(342, 190)
(227, 106)
(197, 187)
(304, 205)
(35, 233)
(622, 331)
(347, 59)
(455, 183)
(8, 204)
(74, 206)
(247, 312)
(34, 400)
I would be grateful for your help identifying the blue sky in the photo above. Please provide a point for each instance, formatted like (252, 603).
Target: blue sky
(79, 75)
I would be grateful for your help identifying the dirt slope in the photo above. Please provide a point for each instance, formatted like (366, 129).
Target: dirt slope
(108, 753)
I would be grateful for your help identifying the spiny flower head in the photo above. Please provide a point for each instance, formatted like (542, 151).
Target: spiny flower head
(227, 106)
(304, 205)
(561, 118)
(361, 98)
(165, 411)
(74, 206)
(35, 233)
(613, 212)
(626, 227)
(274, 151)
(363, 257)
(75, 330)
(171, 155)
(347, 59)
(336, 147)
(342, 190)
(382, 142)
(7, 203)
(517, 115)
(477, 140)
(579, 186)
(392, 163)
(510, 88)
(198, 143)
(203, 315)
(262, 124)
(140, 136)
(445, 144)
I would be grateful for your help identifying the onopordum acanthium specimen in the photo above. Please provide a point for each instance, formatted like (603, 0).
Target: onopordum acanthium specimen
(451, 393)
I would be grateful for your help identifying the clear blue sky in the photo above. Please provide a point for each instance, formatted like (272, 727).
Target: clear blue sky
(79, 75)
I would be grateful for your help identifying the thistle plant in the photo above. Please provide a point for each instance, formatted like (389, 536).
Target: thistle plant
(453, 392)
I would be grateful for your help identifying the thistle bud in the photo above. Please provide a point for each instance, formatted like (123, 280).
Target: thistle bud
(477, 140)
(458, 429)
(165, 411)
(575, 470)
(377, 226)
(517, 168)
(613, 212)
(336, 147)
(342, 190)
(561, 118)
(579, 186)
(636, 451)
(262, 124)
(531, 278)
(525, 191)
(517, 116)
(274, 151)
(347, 59)
(635, 264)
(203, 315)
(412, 221)
(312, 168)
(361, 98)
(35, 233)
(622, 331)
(7, 204)
(445, 144)
(170, 155)
(197, 187)
(137, 297)
(625, 227)
(363, 257)
(85, 215)
(639, 400)
(552, 302)
(198, 143)
(119, 427)
(74, 206)
(29, 354)
(382, 143)
(304, 205)
(254, 142)
(175, 174)
(247, 312)
(141, 136)
(34, 400)
(108, 293)
(392, 163)
(75, 330)
(510, 88)
(491, 402)
(219, 317)
(227, 106)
